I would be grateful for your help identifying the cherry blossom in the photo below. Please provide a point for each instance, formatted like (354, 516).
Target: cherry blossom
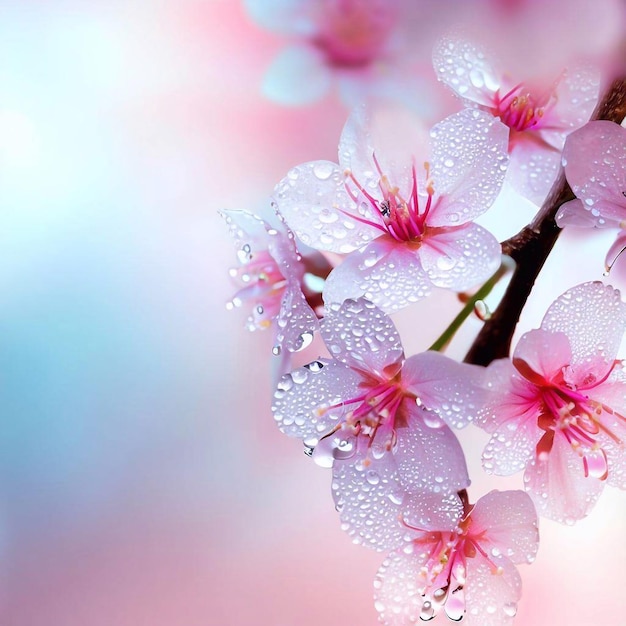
(402, 211)
(354, 43)
(460, 560)
(271, 275)
(539, 116)
(382, 422)
(558, 408)
(594, 159)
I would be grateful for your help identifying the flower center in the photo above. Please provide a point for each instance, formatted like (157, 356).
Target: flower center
(264, 286)
(353, 32)
(400, 217)
(519, 109)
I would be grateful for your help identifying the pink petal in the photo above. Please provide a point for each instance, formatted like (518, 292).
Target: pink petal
(368, 496)
(533, 167)
(443, 385)
(513, 444)
(594, 159)
(509, 522)
(469, 157)
(301, 396)
(491, 597)
(428, 454)
(247, 229)
(393, 136)
(576, 97)
(361, 335)
(558, 486)
(575, 214)
(298, 75)
(398, 587)
(460, 258)
(593, 317)
(463, 67)
(386, 273)
(541, 355)
(313, 200)
(429, 511)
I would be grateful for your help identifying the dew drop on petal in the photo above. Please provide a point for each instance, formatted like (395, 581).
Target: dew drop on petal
(323, 170)
(304, 341)
(510, 609)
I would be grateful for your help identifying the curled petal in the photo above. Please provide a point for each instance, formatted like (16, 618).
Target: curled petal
(575, 214)
(462, 66)
(389, 275)
(593, 317)
(361, 335)
(296, 321)
(616, 250)
(469, 157)
(594, 159)
(557, 484)
(460, 258)
(302, 398)
(443, 385)
(368, 496)
(541, 355)
(509, 522)
(428, 454)
(316, 206)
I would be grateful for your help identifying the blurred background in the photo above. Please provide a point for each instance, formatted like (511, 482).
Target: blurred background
(144, 481)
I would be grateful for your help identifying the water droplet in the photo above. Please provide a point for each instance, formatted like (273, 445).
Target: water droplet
(304, 341)
(510, 609)
(428, 611)
(372, 477)
(482, 310)
(449, 163)
(323, 169)
(445, 263)
(276, 350)
(337, 446)
(314, 366)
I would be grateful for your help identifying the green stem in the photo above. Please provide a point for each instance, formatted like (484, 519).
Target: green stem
(467, 310)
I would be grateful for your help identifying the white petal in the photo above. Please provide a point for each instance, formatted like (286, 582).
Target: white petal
(428, 454)
(368, 496)
(296, 321)
(469, 157)
(460, 258)
(313, 200)
(297, 76)
(361, 335)
(388, 274)
(465, 69)
(301, 396)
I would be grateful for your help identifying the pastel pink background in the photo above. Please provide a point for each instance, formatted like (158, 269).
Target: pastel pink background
(145, 482)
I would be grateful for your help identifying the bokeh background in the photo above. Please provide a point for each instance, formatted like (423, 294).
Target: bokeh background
(144, 481)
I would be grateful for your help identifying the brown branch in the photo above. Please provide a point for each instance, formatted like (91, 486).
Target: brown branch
(531, 247)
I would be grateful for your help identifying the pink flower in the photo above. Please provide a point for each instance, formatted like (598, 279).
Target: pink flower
(405, 227)
(538, 117)
(351, 42)
(271, 278)
(594, 159)
(558, 407)
(382, 422)
(460, 560)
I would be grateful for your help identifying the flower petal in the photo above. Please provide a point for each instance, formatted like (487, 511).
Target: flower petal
(491, 596)
(462, 66)
(428, 511)
(361, 335)
(445, 386)
(509, 522)
(301, 396)
(593, 317)
(388, 274)
(314, 202)
(428, 454)
(512, 446)
(594, 159)
(368, 496)
(469, 157)
(247, 229)
(460, 258)
(298, 75)
(575, 214)
(558, 486)
(398, 587)
(533, 167)
(296, 321)
(541, 355)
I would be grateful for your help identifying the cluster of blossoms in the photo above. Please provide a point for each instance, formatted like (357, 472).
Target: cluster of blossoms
(399, 209)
